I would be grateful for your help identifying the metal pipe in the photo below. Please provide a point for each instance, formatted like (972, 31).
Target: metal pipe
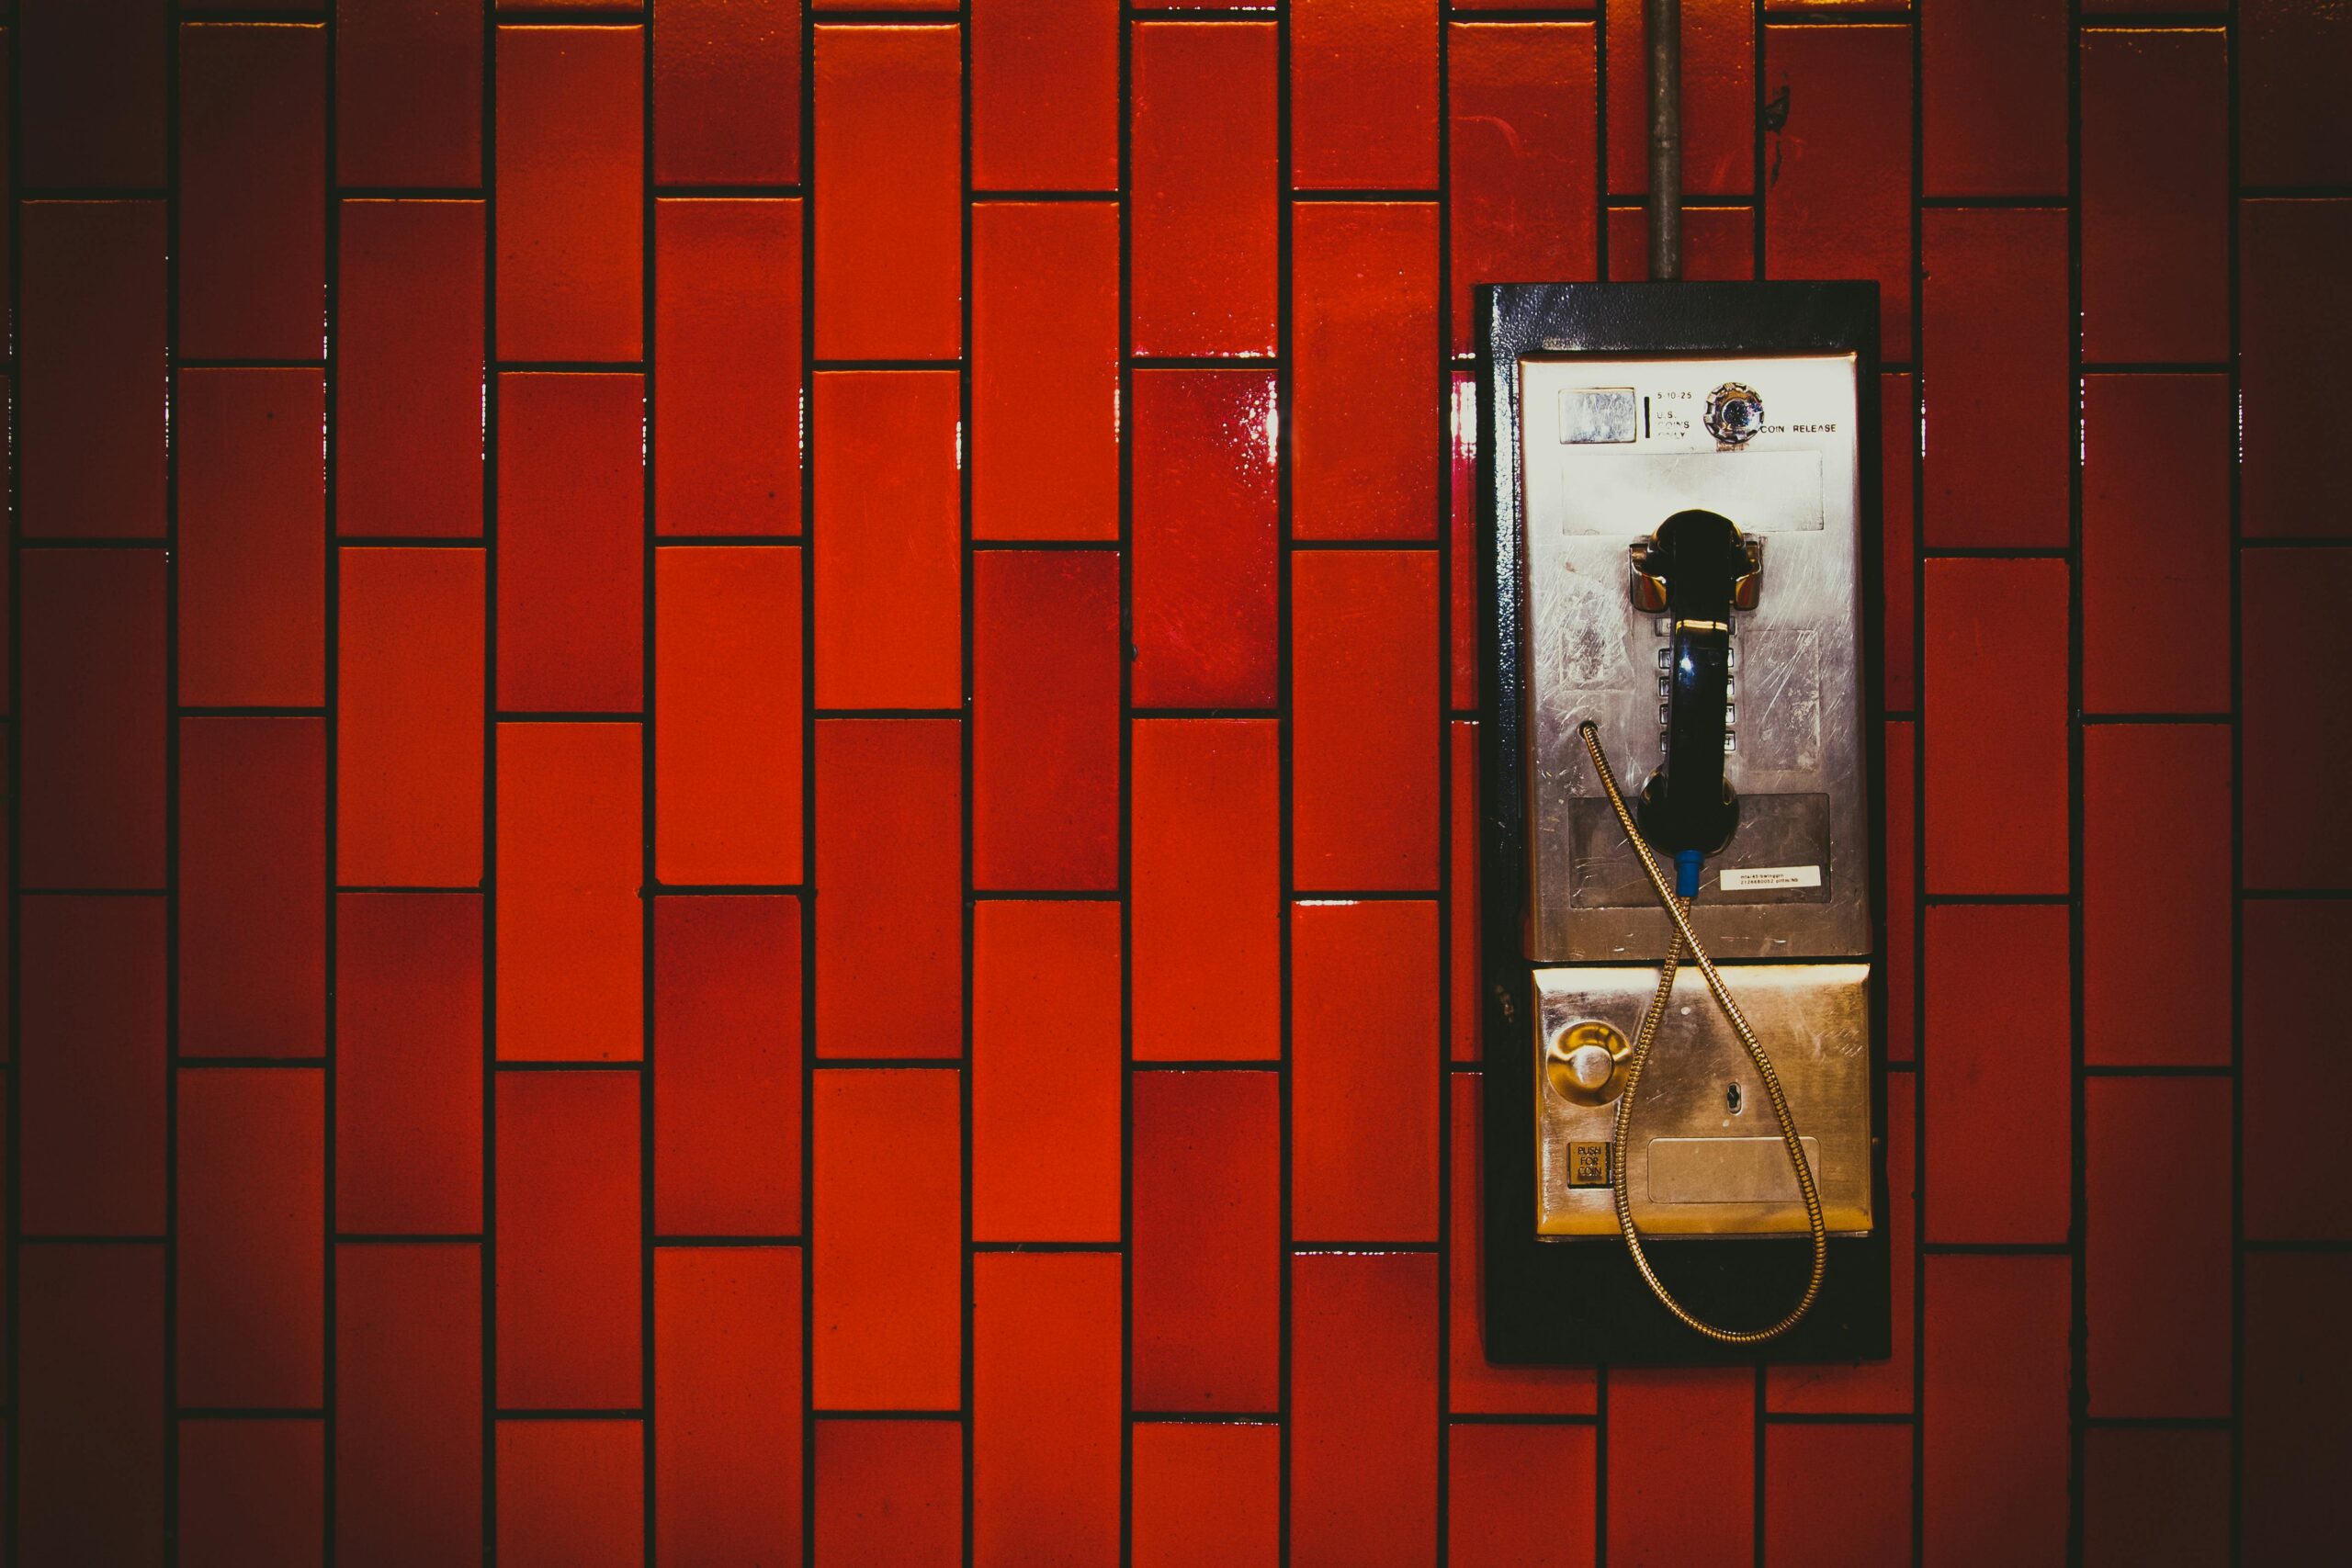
(1663, 20)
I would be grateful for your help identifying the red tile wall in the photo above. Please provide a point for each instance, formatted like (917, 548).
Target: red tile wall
(742, 739)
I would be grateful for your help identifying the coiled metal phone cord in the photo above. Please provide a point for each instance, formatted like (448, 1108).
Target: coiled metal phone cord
(1685, 939)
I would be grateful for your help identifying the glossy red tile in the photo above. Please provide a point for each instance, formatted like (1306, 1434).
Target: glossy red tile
(1493, 1470)
(253, 228)
(2295, 1405)
(727, 1396)
(1206, 539)
(1046, 370)
(1365, 1071)
(408, 1132)
(1205, 882)
(252, 537)
(1717, 243)
(570, 1494)
(91, 778)
(569, 1302)
(2157, 1249)
(1363, 94)
(408, 1420)
(408, 91)
(890, 256)
(1680, 1484)
(93, 93)
(1045, 1080)
(570, 915)
(1464, 995)
(2155, 536)
(1874, 1388)
(1206, 1241)
(1366, 401)
(729, 776)
(2294, 331)
(2292, 60)
(1474, 1384)
(88, 1432)
(885, 1315)
(1365, 726)
(91, 381)
(1993, 1478)
(571, 543)
(253, 879)
(249, 1307)
(726, 93)
(252, 1494)
(890, 1493)
(408, 428)
(2000, 436)
(1524, 157)
(1045, 719)
(1045, 95)
(889, 855)
(1719, 56)
(1207, 1492)
(727, 428)
(1837, 1494)
(727, 1112)
(1998, 1144)
(1899, 898)
(1363, 1383)
(1204, 187)
(570, 148)
(2156, 894)
(2156, 194)
(1045, 1425)
(1992, 99)
(888, 576)
(2150, 1495)
(2296, 723)
(1994, 690)
(2298, 1174)
(91, 1054)
(409, 718)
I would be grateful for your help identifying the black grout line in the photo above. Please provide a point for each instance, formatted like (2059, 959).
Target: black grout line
(1441, 520)
(808, 900)
(11, 1488)
(1123, 153)
(490, 545)
(1286, 635)
(2078, 1191)
(172, 556)
(1914, 445)
(648, 1040)
(2235, 1482)
(967, 570)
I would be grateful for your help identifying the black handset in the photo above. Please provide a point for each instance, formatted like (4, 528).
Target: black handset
(1695, 568)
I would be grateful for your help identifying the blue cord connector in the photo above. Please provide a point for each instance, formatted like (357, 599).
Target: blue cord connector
(1687, 864)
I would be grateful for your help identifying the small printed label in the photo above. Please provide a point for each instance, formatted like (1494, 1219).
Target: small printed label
(1751, 878)
(1588, 1165)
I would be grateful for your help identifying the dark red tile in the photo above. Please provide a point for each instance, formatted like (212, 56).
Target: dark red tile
(571, 543)
(1718, 45)
(92, 431)
(1205, 883)
(2155, 192)
(1204, 187)
(2156, 1498)
(1206, 539)
(408, 1404)
(728, 771)
(2156, 1251)
(1045, 95)
(251, 1493)
(249, 1306)
(1367, 402)
(1523, 155)
(1045, 1080)
(89, 1429)
(890, 256)
(1461, 548)
(889, 574)
(1717, 243)
(890, 857)
(727, 1114)
(2298, 1173)
(2294, 334)
(408, 91)
(1365, 726)
(91, 768)
(1046, 1424)
(1994, 97)
(252, 537)
(1365, 1071)
(727, 428)
(2296, 727)
(2156, 453)
(1045, 719)
(1363, 94)
(2293, 62)
(570, 148)
(1996, 1120)
(2298, 1405)
(1363, 1387)
(1681, 1464)
(886, 1314)
(570, 1494)
(92, 1053)
(1206, 1241)
(1207, 1492)
(253, 226)
(408, 1063)
(1493, 1470)
(408, 370)
(1994, 1472)
(1837, 1494)
(1046, 370)
(2000, 400)
(890, 1493)
(1473, 1383)
(728, 1398)
(1996, 694)
(1898, 618)
(2156, 920)
(571, 917)
(409, 726)
(253, 881)
(569, 1301)
(95, 79)
(726, 93)
(1465, 994)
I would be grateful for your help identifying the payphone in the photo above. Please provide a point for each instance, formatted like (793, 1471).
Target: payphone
(1684, 1135)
